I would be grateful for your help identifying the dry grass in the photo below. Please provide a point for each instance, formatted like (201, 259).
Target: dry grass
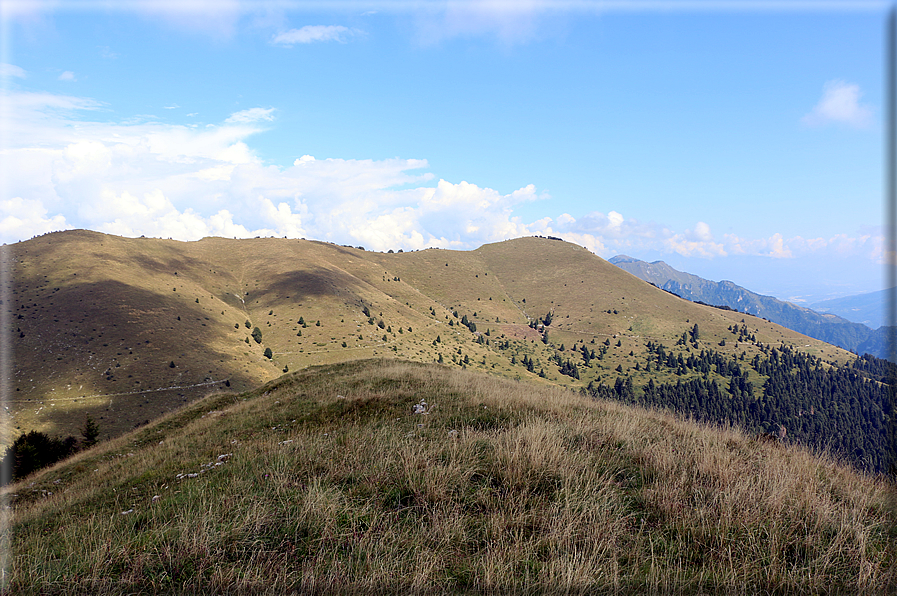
(98, 319)
(334, 485)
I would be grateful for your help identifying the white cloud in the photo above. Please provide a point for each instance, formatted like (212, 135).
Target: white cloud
(67, 76)
(840, 103)
(23, 218)
(313, 33)
(158, 179)
(701, 233)
(11, 70)
(251, 115)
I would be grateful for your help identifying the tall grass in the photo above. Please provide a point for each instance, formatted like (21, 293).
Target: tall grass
(334, 485)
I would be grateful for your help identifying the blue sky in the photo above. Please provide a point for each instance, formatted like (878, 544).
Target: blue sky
(736, 141)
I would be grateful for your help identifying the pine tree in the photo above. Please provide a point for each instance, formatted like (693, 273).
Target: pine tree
(90, 432)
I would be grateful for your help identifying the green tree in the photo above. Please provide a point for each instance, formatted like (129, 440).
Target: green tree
(90, 432)
(248, 324)
(257, 335)
(35, 450)
(268, 353)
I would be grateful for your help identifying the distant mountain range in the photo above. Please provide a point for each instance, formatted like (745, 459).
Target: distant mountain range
(826, 326)
(868, 309)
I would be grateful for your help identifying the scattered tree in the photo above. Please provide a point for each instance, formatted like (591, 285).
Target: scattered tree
(90, 433)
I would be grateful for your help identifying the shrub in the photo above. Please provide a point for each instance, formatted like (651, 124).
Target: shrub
(257, 335)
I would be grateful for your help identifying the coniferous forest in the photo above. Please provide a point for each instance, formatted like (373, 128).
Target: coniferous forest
(846, 412)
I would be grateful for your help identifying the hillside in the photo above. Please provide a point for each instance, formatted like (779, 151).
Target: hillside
(327, 481)
(125, 330)
(827, 327)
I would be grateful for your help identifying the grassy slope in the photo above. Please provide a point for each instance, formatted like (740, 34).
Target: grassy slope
(98, 320)
(334, 485)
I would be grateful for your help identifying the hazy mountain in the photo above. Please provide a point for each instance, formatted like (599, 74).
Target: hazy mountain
(868, 309)
(827, 327)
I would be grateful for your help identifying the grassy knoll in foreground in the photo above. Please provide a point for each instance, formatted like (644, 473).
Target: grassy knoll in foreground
(326, 480)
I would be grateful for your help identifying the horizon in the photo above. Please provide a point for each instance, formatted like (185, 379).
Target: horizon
(452, 125)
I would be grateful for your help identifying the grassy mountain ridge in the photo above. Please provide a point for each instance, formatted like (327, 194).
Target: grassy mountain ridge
(327, 481)
(127, 329)
(824, 326)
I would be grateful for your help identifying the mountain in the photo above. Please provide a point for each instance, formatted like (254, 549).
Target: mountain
(868, 309)
(340, 479)
(126, 330)
(826, 327)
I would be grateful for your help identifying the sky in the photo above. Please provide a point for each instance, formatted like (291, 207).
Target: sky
(734, 140)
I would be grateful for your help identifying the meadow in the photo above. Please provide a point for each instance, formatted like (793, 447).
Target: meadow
(386, 475)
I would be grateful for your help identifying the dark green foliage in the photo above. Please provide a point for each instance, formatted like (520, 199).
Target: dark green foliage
(268, 353)
(248, 324)
(846, 411)
(35, 450)
(90, 432)
(257, 335)
(528, 363)
(569, 369)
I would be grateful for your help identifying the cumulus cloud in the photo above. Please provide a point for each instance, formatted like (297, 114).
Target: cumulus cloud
(840, 103)
(186, 182)
(11, 70)
(313, 33)
(23, 218)
(67, 76)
